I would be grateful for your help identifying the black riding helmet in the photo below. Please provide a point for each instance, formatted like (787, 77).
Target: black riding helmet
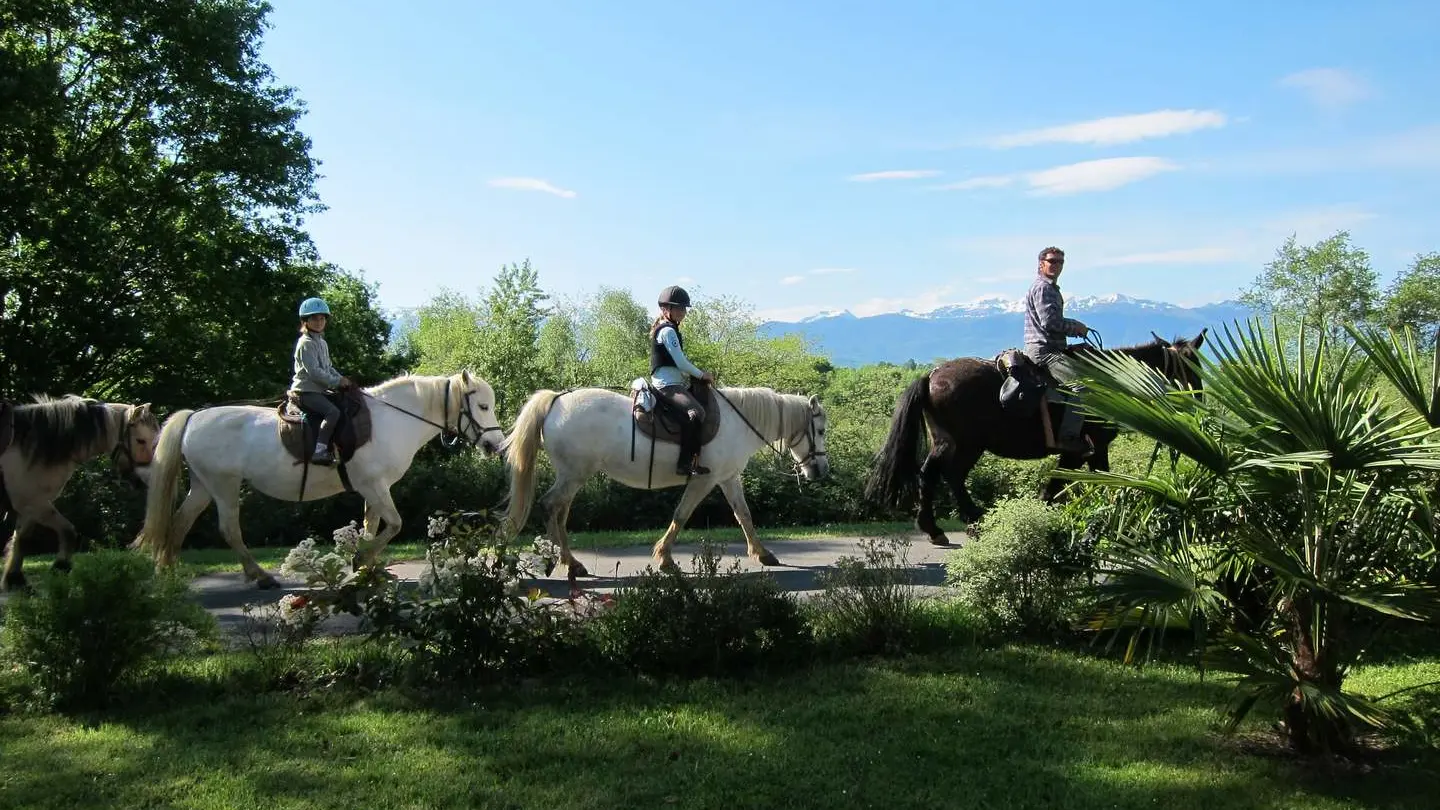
(675, 297)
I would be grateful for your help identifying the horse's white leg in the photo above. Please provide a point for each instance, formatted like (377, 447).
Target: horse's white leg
(227, 505)
(64, 530)
(197, 500)
(14, 577)
(556, 503)
(734, 492)
(372, 519)
(695, 492)
(377, 498)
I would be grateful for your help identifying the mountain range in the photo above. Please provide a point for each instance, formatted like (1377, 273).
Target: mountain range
(980, 328)
(988, 326)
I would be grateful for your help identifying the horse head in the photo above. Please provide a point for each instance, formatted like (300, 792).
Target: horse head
(814, 461)
(476, 420)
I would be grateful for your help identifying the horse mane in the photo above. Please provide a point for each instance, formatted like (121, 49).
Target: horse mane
(54, 431)
(769, 410)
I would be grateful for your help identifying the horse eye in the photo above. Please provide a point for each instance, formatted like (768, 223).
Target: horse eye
(484, 407)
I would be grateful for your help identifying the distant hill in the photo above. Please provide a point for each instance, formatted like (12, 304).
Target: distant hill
(988, 326)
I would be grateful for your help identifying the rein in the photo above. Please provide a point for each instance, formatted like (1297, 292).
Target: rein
(790, 442)
(460, 433)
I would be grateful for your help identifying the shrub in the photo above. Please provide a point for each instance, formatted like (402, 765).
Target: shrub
(706, 623)
(868, 605)
(84, 632)
(1018, 570)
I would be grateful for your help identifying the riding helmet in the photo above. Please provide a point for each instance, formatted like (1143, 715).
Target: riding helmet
(675, 297)
(314, 306)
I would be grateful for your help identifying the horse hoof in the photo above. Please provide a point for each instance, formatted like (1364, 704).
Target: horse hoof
(768, 558)
(267, 583)
(939, 539)
(578, 569)
(61, 565)
(15, 583)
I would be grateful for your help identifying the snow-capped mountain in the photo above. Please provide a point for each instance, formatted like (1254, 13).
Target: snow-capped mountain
(988, 326)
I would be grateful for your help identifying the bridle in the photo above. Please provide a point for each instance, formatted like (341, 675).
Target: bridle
(809, 430)
(465, 423)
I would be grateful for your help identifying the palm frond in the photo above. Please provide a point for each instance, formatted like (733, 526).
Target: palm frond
(1400, 361)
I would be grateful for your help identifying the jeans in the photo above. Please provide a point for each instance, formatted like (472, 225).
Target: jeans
(329, 414)
(1064, 371)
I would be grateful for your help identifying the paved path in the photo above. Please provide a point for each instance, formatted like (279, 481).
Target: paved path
(225, 594)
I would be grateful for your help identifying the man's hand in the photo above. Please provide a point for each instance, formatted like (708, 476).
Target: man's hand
(346, 383)
(1080, 330)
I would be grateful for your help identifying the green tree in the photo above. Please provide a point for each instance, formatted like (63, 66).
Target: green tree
(1413, 299)
(153, 183)
(612, 333)
(360, 334)
(1323, 286)
(558, 351)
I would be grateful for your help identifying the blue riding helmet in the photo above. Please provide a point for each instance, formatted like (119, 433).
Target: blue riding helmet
(314, 306)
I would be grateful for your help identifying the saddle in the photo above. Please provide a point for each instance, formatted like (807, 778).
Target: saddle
(656, 418)
(298, 427)
(1026, 383)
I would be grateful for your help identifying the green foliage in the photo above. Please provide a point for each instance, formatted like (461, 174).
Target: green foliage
(85, 632)
(1322, 286)
(1300, 528)
(703, 623)
(1413, 299)
(1018, 570)
(868, 605)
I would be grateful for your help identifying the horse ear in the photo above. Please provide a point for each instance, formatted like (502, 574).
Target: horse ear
(465, 376)
(143, 410)
(1200, 338)
(814, 401)
(1160, 340)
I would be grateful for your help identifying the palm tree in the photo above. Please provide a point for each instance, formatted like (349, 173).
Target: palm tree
(1297, 527)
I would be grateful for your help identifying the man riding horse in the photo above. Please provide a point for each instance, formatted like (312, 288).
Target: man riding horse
(1046, 328)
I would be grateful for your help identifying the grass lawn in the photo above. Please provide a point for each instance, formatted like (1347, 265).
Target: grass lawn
(211, 560)
(1013, 727)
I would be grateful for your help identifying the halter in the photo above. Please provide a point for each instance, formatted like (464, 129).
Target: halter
(122, 445)
(449, 437)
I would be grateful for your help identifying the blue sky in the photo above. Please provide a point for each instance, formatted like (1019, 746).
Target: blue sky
(866, 156)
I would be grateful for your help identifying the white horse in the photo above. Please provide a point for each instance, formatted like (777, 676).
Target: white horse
(588, 430)
(52, 437)
(230, 444)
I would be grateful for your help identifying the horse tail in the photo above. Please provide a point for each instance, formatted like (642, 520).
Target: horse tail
(522, 445)
(894, 480)
(160, 499)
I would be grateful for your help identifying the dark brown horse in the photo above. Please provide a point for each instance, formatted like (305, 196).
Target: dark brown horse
(960, 404)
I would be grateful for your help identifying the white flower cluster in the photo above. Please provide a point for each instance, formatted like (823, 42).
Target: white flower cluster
(349, 537)
(438, 526)
(294, 609)
(305, 562)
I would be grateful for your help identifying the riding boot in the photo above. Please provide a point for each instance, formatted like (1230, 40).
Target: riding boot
(1071, 425)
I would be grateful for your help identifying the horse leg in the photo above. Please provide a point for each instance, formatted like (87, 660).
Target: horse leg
(14, 577)
(1068, 461)
(51, 518)
(227, 505)
(197, 500)
(695, 492)
(956, 473)
(556, 502)
(377, 498)
(930, 473)
(734, 492)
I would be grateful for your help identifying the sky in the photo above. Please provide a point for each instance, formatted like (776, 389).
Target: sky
(808, 156)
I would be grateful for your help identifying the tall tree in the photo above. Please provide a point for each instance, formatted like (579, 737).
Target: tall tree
(1413, 299)
(153, 185)
(1324, 286)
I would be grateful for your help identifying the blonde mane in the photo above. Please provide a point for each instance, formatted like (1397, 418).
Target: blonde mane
(776, 416)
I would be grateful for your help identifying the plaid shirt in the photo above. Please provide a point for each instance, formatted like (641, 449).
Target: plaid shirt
(1045, 323)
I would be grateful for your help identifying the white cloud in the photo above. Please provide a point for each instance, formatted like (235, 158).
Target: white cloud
(531, 184)
(1091, 175)
(792, 279)
(1331, 88)
(923, 302)
(1117, 129)
(893, 174)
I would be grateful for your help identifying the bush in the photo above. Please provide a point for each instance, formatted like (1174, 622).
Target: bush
(868, 605)
(1018, 571)
(83, 633)
(706, 623)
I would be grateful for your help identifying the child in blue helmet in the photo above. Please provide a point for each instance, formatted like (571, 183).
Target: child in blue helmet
(314, 374)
